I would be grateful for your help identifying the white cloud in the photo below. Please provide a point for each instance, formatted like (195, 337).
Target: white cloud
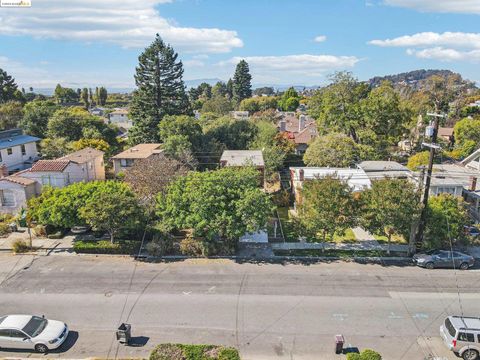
(425, 39)
(129, 23)
(446, 55)
(293, 68)
(320, 38)
(442, 6)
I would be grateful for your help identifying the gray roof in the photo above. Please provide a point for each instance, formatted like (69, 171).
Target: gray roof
(368, 166)
(17, 140)
(242, 158)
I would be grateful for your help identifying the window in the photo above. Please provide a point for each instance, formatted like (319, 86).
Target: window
(126, 162)
(462, 336)
(24, 151)
(5, 333)
(9, 151)
(7, 198)
(450, 328)
(17, 334)
(1, 157)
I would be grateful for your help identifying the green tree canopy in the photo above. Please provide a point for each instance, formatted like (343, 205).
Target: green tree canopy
(11, 114)
(235, 135)
(112, 209)
(160, 91)
(390, 207)
(219, 105)
(327, 207)
(65, 95)
(36, 116)
(218, 205)
(417, 160)
(334, 150)
(242, 87)
(446, 217)
(8, 88)
(467, 135)
(254, 105)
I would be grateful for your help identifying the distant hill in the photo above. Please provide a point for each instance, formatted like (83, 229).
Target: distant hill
(412, 79)
(196, 82)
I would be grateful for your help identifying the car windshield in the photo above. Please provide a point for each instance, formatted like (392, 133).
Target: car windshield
(451, 330)
(35, 326)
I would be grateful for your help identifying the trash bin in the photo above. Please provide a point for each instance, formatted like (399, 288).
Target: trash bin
(124, 333)
(339, 341)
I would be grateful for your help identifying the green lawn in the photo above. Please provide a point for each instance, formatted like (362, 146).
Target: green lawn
(292, 234)
(396, 239)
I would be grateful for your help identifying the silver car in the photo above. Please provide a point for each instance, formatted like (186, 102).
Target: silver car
(461, 334)
(444, 259)
(31, 333)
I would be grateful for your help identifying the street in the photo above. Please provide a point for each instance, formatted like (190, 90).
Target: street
(268, 311)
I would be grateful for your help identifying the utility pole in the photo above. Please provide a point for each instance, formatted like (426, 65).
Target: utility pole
(433, 146)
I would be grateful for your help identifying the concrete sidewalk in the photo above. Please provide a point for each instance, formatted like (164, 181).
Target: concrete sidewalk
(41, 245)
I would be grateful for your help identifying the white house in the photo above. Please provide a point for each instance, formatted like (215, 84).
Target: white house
(15, 191)
(17, 151)
(239, 115)
(120, 118)
(83, 165)
(356, 179)
(124, 160)
(384, 169)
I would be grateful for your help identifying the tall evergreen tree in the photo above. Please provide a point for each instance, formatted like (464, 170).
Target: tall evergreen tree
(103, 94)
(230, 89)
(160, 91)
(242, 87)
(8, 88)
(84, 97)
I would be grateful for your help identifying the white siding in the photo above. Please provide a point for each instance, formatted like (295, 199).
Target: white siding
(16, 159)
(19, 194)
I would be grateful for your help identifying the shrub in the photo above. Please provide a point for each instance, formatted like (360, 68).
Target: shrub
(160, 245)
(353, 356)
(20, 246)
(193, 352)
(368, 354)
(125, 247)
(191, 247)
(4, 228)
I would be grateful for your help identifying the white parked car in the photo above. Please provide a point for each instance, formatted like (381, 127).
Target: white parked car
(31, 333)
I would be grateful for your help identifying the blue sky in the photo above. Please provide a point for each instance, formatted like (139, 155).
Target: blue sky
(97, 42)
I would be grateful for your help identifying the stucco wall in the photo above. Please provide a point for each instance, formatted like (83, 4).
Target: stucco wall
(16, 159)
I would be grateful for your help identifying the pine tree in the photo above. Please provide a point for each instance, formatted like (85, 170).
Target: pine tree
(160, 91)
(242, 87)
(103, 94)
(84, 97)
(8, 87)
(230, 89)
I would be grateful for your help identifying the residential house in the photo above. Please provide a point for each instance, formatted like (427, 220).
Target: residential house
(84, 165)
(356, 179)
(15, 191)
(302, 130)
(384, 169)
(97, 111)
(239, 115)
(241, 158)
(119, 117)
(124, 160)
(446, 133)
(17, 151)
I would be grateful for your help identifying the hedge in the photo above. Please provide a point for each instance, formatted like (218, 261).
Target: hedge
(122, 247)
(193, 352)
(366, 354)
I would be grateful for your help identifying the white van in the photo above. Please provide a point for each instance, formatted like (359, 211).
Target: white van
(462, 336)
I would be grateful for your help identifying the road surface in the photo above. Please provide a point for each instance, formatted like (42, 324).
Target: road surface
(268, 311)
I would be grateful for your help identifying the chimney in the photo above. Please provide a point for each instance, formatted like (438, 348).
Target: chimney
(473, 183)
(302, 174)
(283, 126)
(3, 171)
(301, 123)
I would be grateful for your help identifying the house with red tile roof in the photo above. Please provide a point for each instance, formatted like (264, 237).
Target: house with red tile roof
(302, 130)
(81, 166)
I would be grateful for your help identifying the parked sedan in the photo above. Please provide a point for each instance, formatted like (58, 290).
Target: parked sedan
(31, 333)
(444, 259)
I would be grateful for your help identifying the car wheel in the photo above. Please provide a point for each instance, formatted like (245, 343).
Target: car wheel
(464, 266)
(470, 354)
(41, 348)
(429, 265)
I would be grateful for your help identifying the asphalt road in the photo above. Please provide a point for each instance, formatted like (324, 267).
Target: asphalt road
(268, 311)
